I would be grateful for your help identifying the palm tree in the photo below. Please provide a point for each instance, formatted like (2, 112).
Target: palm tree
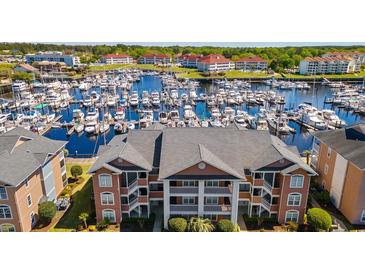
(197, 224)
(307, 153)
(83, 218)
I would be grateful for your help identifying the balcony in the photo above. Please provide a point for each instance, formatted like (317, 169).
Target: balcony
(143, 199)
(142, 182)
(184, 190)
(183, 208)
(220, 191)
(156, 194)
(218, 208)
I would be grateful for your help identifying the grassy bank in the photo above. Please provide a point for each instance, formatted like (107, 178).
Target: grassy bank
(328, 76)
(233, 74)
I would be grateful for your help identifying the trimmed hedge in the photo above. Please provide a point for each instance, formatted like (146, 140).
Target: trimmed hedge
(225, 226)
(319, 219)
(177, 224)
(47, 210)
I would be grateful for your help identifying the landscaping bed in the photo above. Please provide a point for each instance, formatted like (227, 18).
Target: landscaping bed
(136, 224)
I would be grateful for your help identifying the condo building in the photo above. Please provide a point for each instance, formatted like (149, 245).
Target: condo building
(116, 59)
(251, 64)
(53, 56)
(339, 158)
(32, 171)
(189, 60)
(208, 172)
(327, 65)
(155, 59)
(215, 62)
(359, 57)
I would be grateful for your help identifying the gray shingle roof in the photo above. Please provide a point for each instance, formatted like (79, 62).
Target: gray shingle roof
(229, 150)
(19, 161)
(348, 142)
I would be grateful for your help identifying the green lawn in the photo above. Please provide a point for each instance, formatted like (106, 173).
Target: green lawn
(85, 169)
(81, 203)
(328, 76)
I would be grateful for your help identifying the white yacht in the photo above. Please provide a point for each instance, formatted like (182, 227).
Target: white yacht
(332, 119)
(163, 117)
(188, 113)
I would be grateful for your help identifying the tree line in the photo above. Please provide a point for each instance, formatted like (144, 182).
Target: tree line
(280, 58)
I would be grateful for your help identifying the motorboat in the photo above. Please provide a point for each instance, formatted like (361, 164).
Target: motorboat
(92, 127)
(163, 117)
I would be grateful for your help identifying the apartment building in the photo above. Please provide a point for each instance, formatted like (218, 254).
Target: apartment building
(189, 60)
(251, 64)
(215, 62)
(155, 59)
(327, 65)
(359, 57)
(339, 158)
(32, 171)
(209, 172)
(116, 59)
(53, 56)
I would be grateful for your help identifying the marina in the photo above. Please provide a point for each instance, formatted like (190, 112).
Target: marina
(90, 112)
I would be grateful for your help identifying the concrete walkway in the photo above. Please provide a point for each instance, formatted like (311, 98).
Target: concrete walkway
(158, 210)
(241, 222)
(341, 225)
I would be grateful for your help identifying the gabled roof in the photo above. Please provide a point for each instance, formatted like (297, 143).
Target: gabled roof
(214, 58)
(21, 159)
(116, 56)
(253, 59)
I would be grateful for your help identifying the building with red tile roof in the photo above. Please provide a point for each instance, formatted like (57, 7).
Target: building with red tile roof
(359, 57)
(155, 59)
(215, 62)
(189, 60)
(327, 65)
(253, 63)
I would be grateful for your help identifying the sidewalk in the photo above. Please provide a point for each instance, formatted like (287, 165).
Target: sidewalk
(241, 222)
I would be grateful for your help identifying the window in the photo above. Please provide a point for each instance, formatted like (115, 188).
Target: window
(259, 175)
(105, 180)
(294, 199)
(3, 194)
(325, 169)
(32, 218)
(212, 184)
(329, 151)
(7, 228)
(190, 183)
(107, 198)
(269, 177)
(109, 214)
(291, 216)
(244, 187)
(29, 200)
(5, 212)
(142, 175)
(212, 200)
(188, 200)
(256, 191)
(296, 181)
(362, 217)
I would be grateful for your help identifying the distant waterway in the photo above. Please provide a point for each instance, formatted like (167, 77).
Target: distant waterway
(86, 145)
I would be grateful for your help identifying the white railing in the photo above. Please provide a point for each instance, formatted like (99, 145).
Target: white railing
(267, 186)
(266, 204)
(133, 186)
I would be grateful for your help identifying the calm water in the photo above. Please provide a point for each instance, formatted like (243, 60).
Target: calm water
(84, 144)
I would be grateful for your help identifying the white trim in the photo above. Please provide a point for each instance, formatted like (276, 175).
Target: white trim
(212, 197)
(101, 198)
(325, 169)
(105, 174)
(112, 210)
(291, 179)
(289, 211)
(31, 200)
(294, 194)
(11, 213)
(1, 227)
(6, 193)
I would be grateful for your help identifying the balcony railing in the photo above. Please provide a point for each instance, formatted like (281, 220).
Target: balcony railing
(133, 186)
(218, 208)
(218, 190)
(184, 190)
(267, 186)
(184, 208)
(266, 203)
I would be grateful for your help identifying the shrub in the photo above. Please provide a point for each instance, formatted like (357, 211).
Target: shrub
(293, 226)
(237, 228)
(225, 226)
(197, 224)
(103, 224)
(323, 197)
(319, 219)
(76, 171)
(92, 228)
(46, 211)
(177, 224)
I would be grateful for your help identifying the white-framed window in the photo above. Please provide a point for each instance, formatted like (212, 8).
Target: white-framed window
(296, 181)
(32, 219)
(362, 217)
(329, 152)
(292, 216)
(5, 212)
(107, 198)
(190, 183)
(294, 199)
(325, 169)
(212, 183)
(29, 200)
(188, 200)
(212, 200)
(109, 214)
(7, 228)
(105, 180)
(3, 193)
